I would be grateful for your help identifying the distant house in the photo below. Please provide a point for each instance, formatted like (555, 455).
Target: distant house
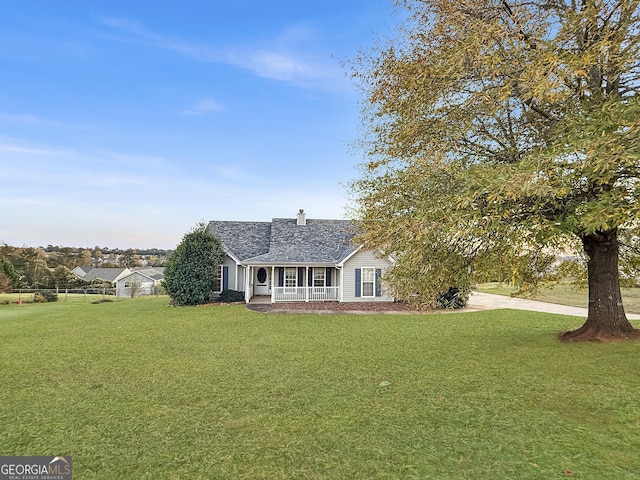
(143, 280)
(140, 281)
(109, 274)
(299, 259)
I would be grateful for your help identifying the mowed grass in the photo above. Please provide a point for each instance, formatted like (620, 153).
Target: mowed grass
(566, 294)
(27, 297)
(135, 389)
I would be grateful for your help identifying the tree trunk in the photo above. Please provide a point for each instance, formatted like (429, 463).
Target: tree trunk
(606, 319)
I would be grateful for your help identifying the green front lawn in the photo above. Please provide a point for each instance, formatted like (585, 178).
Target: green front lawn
(135, 389)
(27, 297)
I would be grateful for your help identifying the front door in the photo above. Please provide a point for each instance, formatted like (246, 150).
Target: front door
(261, 282)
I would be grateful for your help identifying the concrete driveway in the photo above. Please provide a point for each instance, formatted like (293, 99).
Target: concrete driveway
(487, 301)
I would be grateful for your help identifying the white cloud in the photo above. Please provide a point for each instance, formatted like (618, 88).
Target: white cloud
(201, 53)
(127, 25)
(274, 65)
(28, 119)
(202, 107)
(36, 120)
(29, 150)
(281, 61)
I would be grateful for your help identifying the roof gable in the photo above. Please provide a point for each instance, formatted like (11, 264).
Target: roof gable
(104, 273)
(242, 239)
(152, 273)
(284, 241)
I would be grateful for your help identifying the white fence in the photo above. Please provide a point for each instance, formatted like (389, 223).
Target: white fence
(25, 294)
(306, 294)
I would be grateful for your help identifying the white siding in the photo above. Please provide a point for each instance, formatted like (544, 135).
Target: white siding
(228, 262)
(144, 285)
(239, 271)
(234, 271)
(363, 259)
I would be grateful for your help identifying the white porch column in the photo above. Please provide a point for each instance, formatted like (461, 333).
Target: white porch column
(235, 287)
(306, 282)
(273, 284)
(247, 287)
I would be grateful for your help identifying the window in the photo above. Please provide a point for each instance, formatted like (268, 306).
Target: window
(262, 275)
(217, 286)
(368, 282)
(318, 277)
(290, 279)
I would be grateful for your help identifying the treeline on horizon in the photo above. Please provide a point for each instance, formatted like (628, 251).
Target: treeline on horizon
(107, 250)
(40, 267)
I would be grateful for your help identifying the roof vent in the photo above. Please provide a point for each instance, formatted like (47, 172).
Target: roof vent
(301, 217)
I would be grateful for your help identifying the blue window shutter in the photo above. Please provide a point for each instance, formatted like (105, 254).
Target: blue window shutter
(378, 282)
(310, 278)
(225, 278)
(300, 276)
(281, 276)
(328, 277)
(358, 282)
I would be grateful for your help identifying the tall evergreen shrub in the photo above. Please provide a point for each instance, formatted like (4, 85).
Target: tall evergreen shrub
(192, 269)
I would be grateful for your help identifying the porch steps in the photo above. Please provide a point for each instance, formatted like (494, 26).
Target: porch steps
(260, 299)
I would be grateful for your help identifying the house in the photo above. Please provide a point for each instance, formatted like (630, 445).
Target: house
(298, 259)
(109, 274)
(143, 280)
(139, 281)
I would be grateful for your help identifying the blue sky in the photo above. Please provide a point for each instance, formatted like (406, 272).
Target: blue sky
(125, 123)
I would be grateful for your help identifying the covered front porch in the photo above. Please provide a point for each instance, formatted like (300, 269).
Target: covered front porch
(305, 294)
(308, 283)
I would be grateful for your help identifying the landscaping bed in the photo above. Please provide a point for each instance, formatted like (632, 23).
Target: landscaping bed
(345, 307)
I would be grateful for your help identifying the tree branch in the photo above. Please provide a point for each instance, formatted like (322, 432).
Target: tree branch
(525, 36)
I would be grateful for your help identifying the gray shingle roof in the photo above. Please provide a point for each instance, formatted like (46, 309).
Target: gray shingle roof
(243, 239)
(103, 273)
(156, 273)
(283, 241)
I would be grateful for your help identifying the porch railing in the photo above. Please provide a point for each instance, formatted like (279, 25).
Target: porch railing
(302, 294)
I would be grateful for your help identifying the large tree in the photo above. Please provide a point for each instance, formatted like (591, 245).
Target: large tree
(503, 132)
(129, 258)
(192, 269)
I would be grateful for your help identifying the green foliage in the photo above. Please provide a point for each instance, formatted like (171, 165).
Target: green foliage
(528, 271)
(99, 283)
(129, 258)
(39, 298)
(102, 300)
(191, 270)
(33, 269)
(64, 278)
(231, 296)
(499, 135)
(5, 284)
(629, 257)
(7, 268)
(44, 296)
(574, 270)
(452, 299)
